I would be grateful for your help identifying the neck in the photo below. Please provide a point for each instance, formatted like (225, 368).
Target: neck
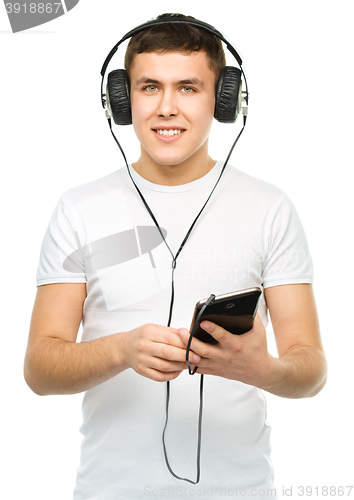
(175, 174)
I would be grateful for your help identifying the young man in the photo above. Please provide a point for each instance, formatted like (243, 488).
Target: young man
(103, 263)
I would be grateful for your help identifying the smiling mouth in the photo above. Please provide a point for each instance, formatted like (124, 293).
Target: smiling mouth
(169, 133)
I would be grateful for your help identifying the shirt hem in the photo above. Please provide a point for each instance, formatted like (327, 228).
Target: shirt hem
(288, 281)
(59, 279)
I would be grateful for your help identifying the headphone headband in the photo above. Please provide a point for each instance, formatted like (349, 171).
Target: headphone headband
(176, 20)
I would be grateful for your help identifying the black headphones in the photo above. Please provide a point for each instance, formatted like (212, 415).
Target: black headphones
(229, 99)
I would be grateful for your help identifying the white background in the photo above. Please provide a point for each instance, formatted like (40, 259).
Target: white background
(298, 61)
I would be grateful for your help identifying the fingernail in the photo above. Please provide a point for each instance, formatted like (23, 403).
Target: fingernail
(205, 325)
(196, 358)
(181, 331)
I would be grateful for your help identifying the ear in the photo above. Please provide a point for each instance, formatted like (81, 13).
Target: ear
(118, 97)
(228, 95)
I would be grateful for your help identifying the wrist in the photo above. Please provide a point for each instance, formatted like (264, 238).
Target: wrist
(273, 375)
(117, 349)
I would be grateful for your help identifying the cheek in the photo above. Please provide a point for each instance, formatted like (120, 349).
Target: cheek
(202, 112)
(140, 111)
(139, 119)
(203, 120)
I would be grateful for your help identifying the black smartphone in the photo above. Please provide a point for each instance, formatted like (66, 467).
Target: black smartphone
(234, 312)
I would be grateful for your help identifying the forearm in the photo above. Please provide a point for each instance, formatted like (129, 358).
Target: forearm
(299, 373)
(56, 366)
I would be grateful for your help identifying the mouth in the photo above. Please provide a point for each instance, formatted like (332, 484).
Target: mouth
(169, 132)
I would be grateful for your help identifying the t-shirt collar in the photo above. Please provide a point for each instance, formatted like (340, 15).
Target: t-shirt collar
(210, 176)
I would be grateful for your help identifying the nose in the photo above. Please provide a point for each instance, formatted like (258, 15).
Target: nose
(168, 105)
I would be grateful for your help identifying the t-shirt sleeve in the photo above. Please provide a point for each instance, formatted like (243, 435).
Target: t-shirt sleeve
(288, 259)
(61, 259)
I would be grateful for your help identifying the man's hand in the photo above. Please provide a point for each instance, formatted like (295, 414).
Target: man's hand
(56, 364)
(301, 369)
(156, 352)
(238, 357)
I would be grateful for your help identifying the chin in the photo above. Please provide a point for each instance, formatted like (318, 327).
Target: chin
(168, 160)
(174, 158)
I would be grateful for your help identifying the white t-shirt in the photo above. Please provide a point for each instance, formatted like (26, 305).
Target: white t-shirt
(101, 234)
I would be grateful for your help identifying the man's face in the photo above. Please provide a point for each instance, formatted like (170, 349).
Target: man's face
(173, 100)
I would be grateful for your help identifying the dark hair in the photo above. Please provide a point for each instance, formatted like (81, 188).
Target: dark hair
(169, 37)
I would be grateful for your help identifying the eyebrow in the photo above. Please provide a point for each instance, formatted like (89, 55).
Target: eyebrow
(188, 81)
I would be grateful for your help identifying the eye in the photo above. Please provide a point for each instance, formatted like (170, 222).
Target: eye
(187, 90)
(151, 88)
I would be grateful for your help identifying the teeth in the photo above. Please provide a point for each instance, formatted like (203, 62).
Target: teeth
(169, 133)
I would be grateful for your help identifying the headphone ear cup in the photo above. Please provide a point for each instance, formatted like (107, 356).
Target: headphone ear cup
(228, 95)
(118, 97)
